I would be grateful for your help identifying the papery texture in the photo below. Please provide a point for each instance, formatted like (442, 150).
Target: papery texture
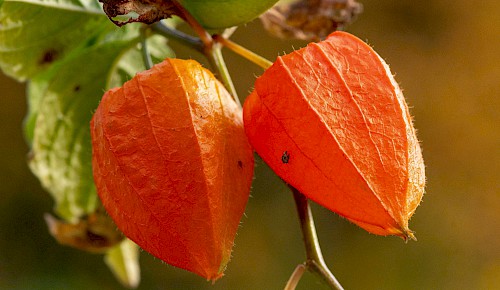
(335, 113)
(173, 166)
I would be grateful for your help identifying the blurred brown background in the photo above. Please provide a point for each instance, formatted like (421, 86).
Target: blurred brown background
(446, 56)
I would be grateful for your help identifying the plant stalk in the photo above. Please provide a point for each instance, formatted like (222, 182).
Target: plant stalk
(186, 39)
(204, 36)
(217, 62)
(295, 277)
(146, 56)
(246, 53)
(315, 262)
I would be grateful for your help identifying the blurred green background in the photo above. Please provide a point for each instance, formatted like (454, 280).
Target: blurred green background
(446, 56)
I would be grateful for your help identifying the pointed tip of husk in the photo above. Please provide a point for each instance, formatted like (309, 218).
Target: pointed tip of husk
(215, 278)
(403, 232)
(406, 234)
(409, 236)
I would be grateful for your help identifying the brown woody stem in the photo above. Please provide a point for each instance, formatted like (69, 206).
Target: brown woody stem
(195, 25)
(315, 262)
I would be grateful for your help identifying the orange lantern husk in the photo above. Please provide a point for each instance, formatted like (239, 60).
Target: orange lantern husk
(173, 166)
(335, 114)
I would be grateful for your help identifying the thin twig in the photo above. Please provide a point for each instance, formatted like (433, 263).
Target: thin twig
(315, 262)
(186, 39)
(240, 50)
(217, 62)
(294, 279)
(146, 56)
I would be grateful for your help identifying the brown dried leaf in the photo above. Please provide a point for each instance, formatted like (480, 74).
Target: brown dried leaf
(310, 19)
(121, 12)
(95, 233)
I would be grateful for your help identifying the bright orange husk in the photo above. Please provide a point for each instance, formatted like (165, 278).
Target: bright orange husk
(331, 121)
(173, 166)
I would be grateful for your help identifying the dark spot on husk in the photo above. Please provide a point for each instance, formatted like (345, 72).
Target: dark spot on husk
(285, 158)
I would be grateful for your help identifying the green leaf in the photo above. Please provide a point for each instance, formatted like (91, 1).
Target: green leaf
(159, 49)
(34, 34)
(226, 13)
(123, 260)
(61, 149)
(71, 53)
(61, 102)
(35, 91)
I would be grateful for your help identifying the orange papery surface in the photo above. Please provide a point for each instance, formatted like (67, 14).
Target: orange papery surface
(332, 122)
(173, 166)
